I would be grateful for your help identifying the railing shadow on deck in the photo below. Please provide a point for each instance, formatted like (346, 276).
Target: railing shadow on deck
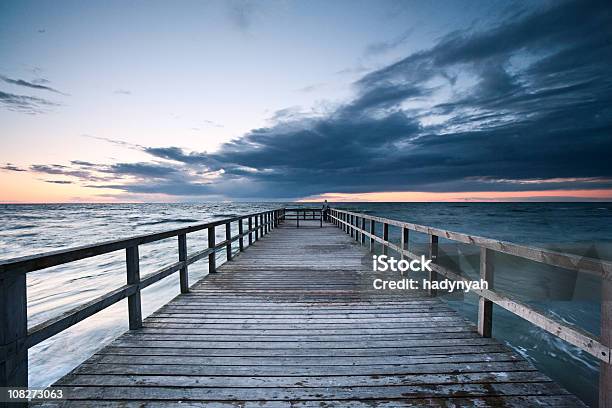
(16, 338)
(355, 225)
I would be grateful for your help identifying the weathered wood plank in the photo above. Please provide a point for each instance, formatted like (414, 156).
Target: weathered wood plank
(278, 370)
(279, 326)
(563, 401)
(309, 394)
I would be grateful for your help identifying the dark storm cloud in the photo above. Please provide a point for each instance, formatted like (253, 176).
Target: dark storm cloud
(21, 82)
(540, 108)
(177, 154)
(526, 105)
(141, 170)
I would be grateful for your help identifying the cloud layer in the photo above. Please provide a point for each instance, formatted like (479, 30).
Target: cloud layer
(26, 103)
(526, 104)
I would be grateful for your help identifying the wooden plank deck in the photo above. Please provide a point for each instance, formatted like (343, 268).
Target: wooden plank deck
(293, 321)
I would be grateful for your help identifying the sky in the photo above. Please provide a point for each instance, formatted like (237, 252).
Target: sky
(151, 101)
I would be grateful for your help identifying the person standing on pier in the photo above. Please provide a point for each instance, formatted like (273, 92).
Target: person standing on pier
(325, 211)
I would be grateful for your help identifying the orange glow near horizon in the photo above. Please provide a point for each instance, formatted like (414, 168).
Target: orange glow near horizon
(25, 187)
(421, 196)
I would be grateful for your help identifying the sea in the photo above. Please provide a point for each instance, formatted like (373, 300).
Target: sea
(584, 229)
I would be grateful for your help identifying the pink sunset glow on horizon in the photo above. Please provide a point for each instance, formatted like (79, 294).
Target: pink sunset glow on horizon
(467, 196)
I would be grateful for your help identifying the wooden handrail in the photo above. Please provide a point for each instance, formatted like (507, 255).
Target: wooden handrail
(15, 338)
(304, 211)
(545, 256)
(45, 260)
(599, 347)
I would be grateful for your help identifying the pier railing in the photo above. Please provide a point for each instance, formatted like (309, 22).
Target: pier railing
(16, 338)
(362, 227)
(298, 214)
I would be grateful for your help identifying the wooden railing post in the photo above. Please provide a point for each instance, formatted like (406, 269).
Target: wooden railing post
(297, 217)
(485, 307)
(228, 241)
(372, 233)
(264, 222)
(133, 278)
(250, 231)
(13, 331)
(262, 226)
(212, 257)
(385, 238)
(605, 369)
(183, 273)
(240, 232)
(433, 255)
(363, 223)
(405, 241)
(256, 227)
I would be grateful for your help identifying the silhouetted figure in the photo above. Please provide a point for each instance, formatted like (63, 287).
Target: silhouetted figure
(325, 211)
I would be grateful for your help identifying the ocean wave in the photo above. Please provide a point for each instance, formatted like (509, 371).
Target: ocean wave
(22, 226)
(169, 221)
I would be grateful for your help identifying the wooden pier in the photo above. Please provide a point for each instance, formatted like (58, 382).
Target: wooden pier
(290, 321)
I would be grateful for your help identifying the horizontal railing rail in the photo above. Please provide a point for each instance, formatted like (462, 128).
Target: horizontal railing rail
(16, 338)
(297, 214)
(355, 225)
